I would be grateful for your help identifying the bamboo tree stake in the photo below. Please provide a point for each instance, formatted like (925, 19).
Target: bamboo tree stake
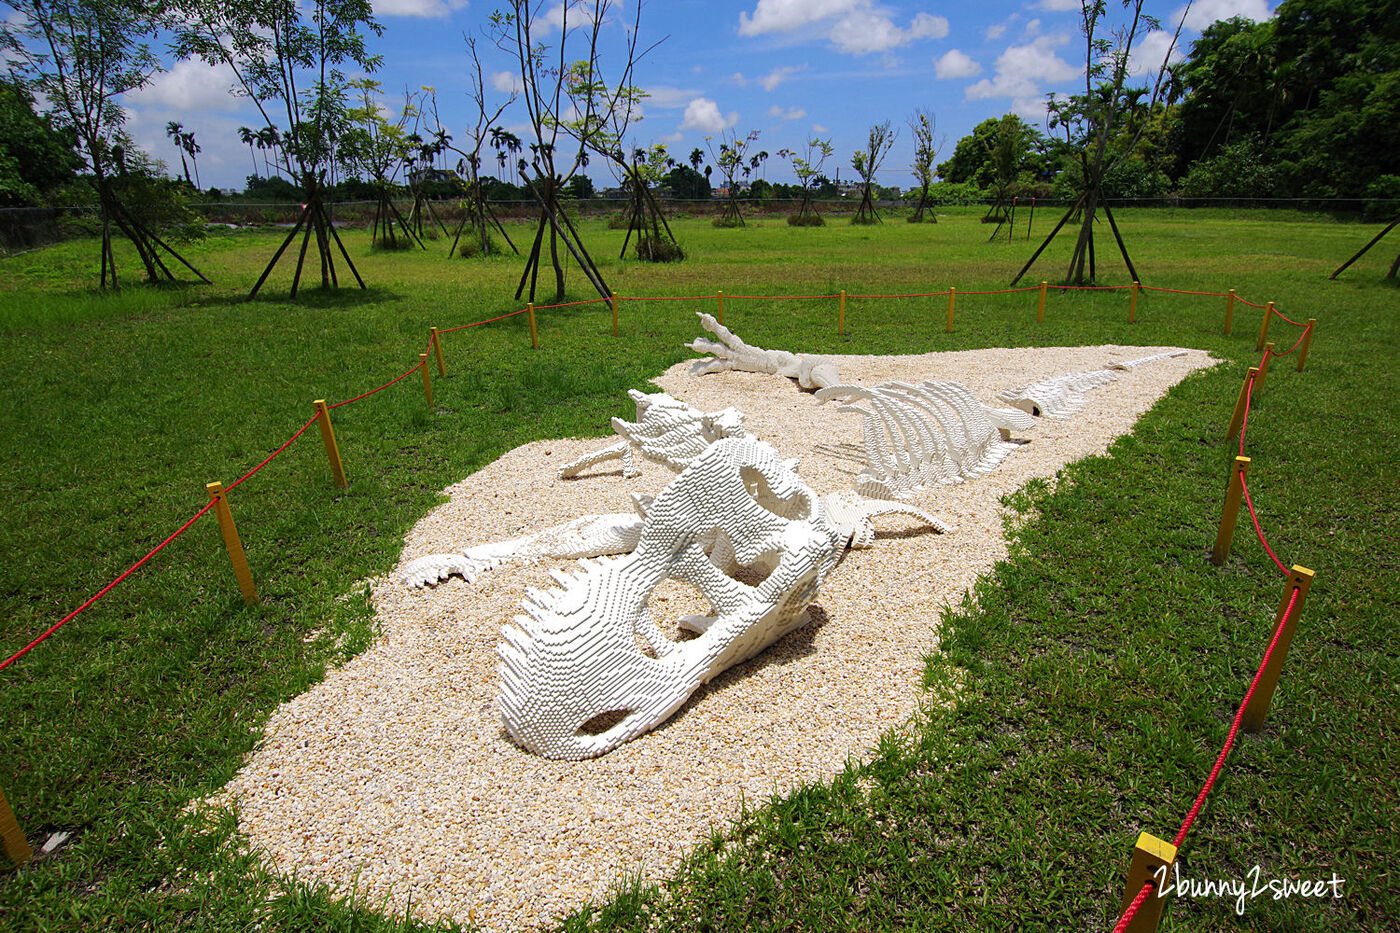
(16, 846)
(435, 339)
(1226, 535)
(613, 301)
(1300, 579)
(1229, 311)
(952, 297)
(1040, 306)
(1264, 365)
(841, 314)
(1307, 342)
(1264, 327)
(427, 378)
(232, 543)
(719, 299)
(1132, 303)
(1152, 859)
(323, 415)
(1237, 419)
(534, 335)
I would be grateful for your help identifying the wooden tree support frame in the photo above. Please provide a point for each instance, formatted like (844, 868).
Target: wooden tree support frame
(479, 214)
(148, 245)
(1394, 266)
(646, 217)
(554, 219)
(313, 218)
(386, 212)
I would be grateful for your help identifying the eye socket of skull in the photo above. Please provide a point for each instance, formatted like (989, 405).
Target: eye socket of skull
(795, 507)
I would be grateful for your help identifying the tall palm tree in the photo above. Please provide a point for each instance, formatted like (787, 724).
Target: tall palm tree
(247, 136)
(175, 132)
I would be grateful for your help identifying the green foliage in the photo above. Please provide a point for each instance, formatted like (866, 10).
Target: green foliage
(35, 158)
(1240, 170)
(687, 184)
(983, 156)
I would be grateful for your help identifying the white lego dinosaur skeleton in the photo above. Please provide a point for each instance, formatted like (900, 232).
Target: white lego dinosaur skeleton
(587, 668)
(1060, 397)
(667, 431)
(731, 353)
(929, 434)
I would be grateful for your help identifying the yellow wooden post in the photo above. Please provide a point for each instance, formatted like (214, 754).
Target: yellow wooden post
(232, 543)
(1300, 579)
(719, 306)
(1307, 342)
(1264, 365)
(1264, 327)
(952, 297)
(534, 335)
(323, 415)
(435, 339)
(1132, 304)
(1237, 419)
(1226, 535)
(613, 301)
(16, 846)
(1152, 861)
(841, 314)
(1040, 307)
(427, 379)
(1229, 311)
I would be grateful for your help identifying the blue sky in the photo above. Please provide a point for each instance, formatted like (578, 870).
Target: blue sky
(790, 69)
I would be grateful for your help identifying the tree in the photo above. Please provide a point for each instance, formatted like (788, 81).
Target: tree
(687, 184)
(288, 60)
(35, 157)
(867, 162)
(80, 56)
(479, 216)
(376, 149)
(1098, 125)
(247, 137)
(807, 166)
(187, 146)
(921, 127)
(550, 80)
(732, 159)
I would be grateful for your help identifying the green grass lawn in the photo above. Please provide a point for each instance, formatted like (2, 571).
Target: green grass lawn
(1097, 669)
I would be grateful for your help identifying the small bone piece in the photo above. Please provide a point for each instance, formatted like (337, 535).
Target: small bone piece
(586, 668)
(585, 536)
(667, 431)
(852, 515)
(731, 353)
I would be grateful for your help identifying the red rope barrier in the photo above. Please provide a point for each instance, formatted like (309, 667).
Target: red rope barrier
(567, 304)
(806, 297)
(1135, 906)
(477, 324)
(1289, 320)
(1008, 291)
(666, 298)
(383, 387)
(1235, 726)
(1258, 529)
(919, 295)
(1296, 344)
(1247, 302)
(271, 456)
(1181, 291)
(106, 589)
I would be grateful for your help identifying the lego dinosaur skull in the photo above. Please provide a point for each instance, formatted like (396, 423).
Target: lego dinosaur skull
(587, 668)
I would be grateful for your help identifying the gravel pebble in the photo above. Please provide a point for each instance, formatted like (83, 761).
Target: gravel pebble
(393, 777)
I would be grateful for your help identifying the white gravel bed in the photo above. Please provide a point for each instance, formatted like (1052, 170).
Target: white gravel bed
(393, 777)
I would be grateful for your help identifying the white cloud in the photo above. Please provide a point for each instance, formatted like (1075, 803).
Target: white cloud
(792, 113)
(703, 114)
(1022, 68)
(669, 98)
(819, 128)
(1032, 29)
(996, 31)
(419, 8)
(1148, 52)
(1205, 12)
(788, 15)
(859, 27)
(190, 86)
(1059, 6)
(955, 64)
(927, 26)
(777, 76)
(507, 82)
